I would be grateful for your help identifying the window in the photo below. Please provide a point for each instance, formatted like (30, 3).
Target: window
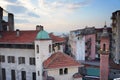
(58, 46)
(66, 71)
(33, 76)
(23, 75)
(3, 74)
(2, 58)
(11, 59)
(37, 48)
(21, 60)
(104, 46)
(63, 71)
(49, 48)
(38, 73)
(13, 75)
(32, 61)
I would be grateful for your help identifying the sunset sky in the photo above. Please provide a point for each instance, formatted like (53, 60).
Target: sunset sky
(60, 15)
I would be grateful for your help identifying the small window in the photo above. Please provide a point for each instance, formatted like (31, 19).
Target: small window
(58, 46)
(60, 71)
(49, 48)
(38, 73)
(32, 61)
(2, 58)
(11, 59)
(21, 60)
(37, 48)
(104, 46)
(66, 71)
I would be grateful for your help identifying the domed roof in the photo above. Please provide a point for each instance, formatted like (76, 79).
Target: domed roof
(42, 35)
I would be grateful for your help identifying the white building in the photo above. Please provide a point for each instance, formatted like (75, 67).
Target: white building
(62, 67)
(77, 43)
(22, 53)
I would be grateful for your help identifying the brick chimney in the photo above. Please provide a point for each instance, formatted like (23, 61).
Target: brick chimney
(104, 55)
(11, 21)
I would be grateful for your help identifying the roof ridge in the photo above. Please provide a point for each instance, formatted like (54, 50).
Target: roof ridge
(52, 59)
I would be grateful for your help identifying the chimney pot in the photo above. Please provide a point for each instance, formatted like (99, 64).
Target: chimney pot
(17, 32)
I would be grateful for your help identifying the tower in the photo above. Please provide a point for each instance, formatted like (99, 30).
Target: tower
(104, 54)
(43, 49)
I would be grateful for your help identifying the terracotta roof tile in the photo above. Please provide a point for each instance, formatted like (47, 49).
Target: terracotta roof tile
(56, 38)
(25, 37)
(58, 60)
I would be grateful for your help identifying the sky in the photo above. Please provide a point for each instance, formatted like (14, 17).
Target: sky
(60, 16)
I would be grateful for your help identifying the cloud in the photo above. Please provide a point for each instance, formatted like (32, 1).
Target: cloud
(46, 12)
(32, 14)
(16, 9)
(18, 21)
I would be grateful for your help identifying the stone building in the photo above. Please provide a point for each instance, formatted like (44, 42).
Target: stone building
(116, 36)
(22, 53)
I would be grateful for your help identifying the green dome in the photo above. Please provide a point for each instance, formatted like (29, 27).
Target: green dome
(42, 35)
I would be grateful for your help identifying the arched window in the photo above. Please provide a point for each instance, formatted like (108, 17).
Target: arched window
(37, 48)
(49, 48)
(60, 71)
(104, 46)
(66, 71)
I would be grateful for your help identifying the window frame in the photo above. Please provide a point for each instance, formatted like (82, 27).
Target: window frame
(11, 59)
(21, 60)
(2, 58)
(32, 60)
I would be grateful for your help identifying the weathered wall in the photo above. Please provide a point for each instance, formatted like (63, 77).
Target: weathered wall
(55, 73)
(27, 53)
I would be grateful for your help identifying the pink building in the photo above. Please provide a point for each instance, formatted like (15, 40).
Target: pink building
(90, 50)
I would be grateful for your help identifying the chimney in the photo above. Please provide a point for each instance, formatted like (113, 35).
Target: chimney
(17, 32)
(11, 21)
(39, 27)
(1, 16)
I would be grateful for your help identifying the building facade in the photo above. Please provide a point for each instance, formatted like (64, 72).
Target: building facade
(82, 43)
(62, 67)
(116, 36)
(22, 53)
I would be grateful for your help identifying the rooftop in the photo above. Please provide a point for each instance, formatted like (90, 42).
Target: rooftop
(59, 60)
(25, 37)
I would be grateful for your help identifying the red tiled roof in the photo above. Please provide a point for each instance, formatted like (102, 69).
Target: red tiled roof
(58, 60)
(25, 37)
(56, 38)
